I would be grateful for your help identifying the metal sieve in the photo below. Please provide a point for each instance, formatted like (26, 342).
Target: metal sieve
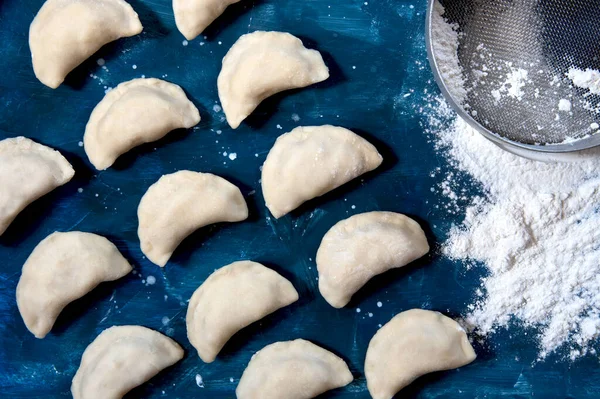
(515, 57)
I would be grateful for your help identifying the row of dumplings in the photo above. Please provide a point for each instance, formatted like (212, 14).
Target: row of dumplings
(65, 33)
(350, 254)
(413, 343)
(303, 164)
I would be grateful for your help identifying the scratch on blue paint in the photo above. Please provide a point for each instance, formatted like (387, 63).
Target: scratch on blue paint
(78, 222)
(314, 218)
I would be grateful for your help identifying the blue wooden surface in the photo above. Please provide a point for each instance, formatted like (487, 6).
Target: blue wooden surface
(376, 53)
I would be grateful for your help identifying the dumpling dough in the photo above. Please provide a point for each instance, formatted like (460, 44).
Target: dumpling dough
(363, 246)
(193, 16)
(135, 112)
(232, 298)
(120, 359)
(64, 267)
(261, 64)
(180, 203)
(414, 343)
(310, 161)
(292, 370)
(64, 33)
(28, 171)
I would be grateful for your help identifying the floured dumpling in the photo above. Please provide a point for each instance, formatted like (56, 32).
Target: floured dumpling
(120, 359)
(28, 171)
(135, 112)
(261, 64)
(193, 16)
(180, 203)
(64, 267)
(64, 33)
(292, 370)
(243, 291)
(363, 246)
(414, 343)
(310, 161)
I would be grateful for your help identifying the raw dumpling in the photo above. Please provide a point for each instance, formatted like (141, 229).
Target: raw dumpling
(180, 203)
(28, 170)
(232, 298)
(64, 33)
(120, 359)
(293, 370)
(135, 112)
(414, 343)
(193, 16)
(363, 246)
(64, 267)
(261, 64)
(310, 161)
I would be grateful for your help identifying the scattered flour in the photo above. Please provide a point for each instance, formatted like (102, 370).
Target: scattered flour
(588, 79)
(564, 105)
(535, 230)
(513, 85)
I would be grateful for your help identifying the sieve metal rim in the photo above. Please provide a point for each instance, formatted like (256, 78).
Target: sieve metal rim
(506, 144)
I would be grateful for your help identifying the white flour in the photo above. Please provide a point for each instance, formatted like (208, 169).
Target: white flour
(564, 105)
(536, 231)
(588, 79)
(446, 37)
(513, 86)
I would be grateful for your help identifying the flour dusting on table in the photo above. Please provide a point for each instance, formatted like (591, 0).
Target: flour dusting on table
(535, 229)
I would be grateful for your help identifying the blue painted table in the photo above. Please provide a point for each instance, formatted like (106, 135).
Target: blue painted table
(377, 57)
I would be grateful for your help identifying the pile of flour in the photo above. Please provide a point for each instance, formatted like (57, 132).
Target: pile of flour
(513, 86)
(536, 230)
(586, 79)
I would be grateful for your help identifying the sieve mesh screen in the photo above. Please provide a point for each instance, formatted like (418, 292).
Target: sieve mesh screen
(515, 56)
